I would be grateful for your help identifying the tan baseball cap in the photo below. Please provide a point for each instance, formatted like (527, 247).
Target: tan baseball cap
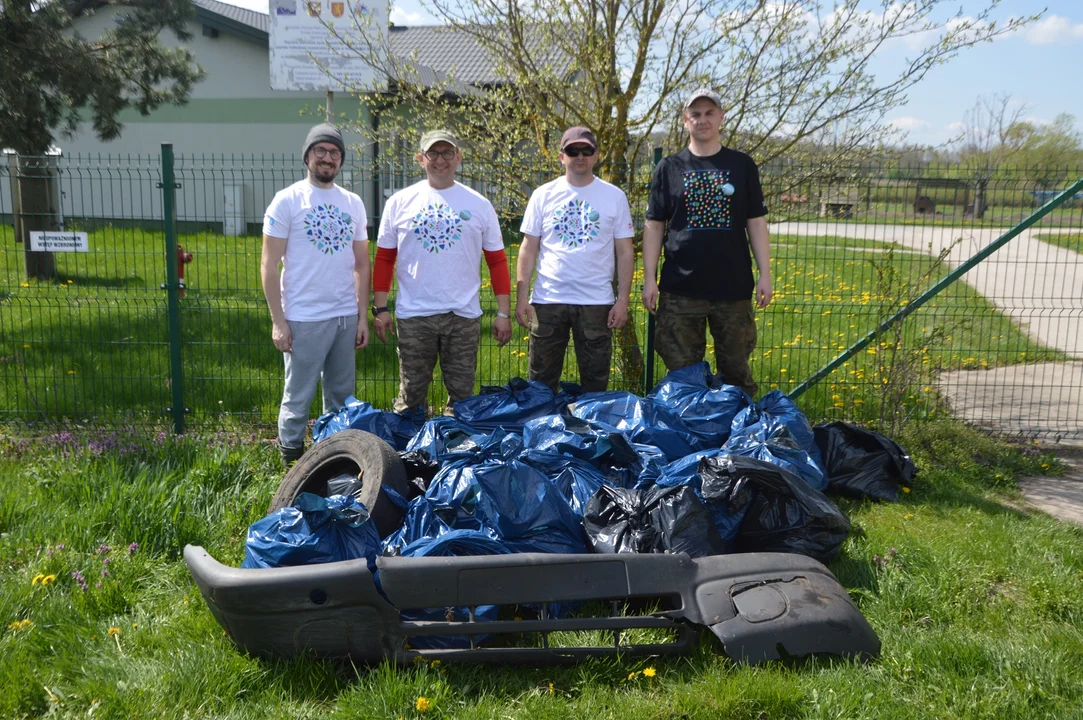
(703, 92)
(434, 136)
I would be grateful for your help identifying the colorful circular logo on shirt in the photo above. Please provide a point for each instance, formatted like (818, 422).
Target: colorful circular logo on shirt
(438, 227)
(576, 223)
(328, 228)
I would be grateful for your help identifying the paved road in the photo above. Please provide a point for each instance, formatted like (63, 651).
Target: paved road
(1037, 284)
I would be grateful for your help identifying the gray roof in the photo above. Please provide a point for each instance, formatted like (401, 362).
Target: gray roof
(440, 51)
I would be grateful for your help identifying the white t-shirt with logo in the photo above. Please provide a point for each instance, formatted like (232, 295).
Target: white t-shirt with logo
(439, 236)
(577, 227)
(320, 227)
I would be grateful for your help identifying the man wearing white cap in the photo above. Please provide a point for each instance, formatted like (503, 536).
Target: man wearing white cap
(576, 229)
(318, 232)
(707, 205)
(432, 237)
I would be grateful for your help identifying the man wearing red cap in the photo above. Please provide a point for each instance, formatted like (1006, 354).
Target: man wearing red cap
(575, 230)
(706, 203)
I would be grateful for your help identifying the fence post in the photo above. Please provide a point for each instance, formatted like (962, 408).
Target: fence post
(648, 374)
(172, 286)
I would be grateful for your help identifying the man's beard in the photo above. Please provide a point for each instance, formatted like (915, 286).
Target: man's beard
(323, 175)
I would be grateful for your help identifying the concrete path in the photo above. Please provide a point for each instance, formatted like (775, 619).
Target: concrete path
(1038, 284)
(1061, 497)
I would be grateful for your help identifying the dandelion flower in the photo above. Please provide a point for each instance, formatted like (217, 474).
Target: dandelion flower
(632, 675)
(907, 516)
(114, 631)
(551, 689)
(37, 578)
(649, 672)
(423, 704)
(48, 579)
(906, 489)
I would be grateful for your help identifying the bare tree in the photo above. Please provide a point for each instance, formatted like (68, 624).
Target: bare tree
(796, 77)
(993, 134)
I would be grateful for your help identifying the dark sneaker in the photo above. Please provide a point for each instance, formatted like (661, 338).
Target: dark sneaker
(290, 455)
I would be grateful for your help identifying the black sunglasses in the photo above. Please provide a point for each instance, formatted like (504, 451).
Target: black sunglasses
(576, 152)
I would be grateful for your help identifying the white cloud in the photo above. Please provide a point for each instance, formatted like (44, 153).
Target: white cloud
(1053, 30)
(409, 19)
(908, 124)
(956, 127)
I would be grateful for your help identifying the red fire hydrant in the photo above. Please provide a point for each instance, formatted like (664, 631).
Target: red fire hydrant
(183, 258)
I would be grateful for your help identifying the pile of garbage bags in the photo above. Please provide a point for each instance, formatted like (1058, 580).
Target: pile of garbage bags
(694, 467)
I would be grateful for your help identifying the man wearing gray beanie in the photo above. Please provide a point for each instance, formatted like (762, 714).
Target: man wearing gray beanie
(318, 232)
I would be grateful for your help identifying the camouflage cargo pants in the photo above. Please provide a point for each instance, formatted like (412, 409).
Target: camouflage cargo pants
(452, 339)
(588, 325)
(681, 340)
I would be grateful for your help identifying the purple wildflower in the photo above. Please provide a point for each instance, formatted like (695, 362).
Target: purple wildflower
(132, 548)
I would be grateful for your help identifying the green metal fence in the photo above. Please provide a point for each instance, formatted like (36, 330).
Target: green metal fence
(109, 336)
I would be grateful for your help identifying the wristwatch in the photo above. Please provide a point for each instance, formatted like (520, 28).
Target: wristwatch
(377, 310)
(503, 315)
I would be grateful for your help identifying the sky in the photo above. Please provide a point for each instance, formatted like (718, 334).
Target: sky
(1037, 67)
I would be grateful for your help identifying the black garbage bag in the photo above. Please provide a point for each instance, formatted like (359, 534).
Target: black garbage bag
(725, 505)
(507, 406)
(784, 513)
(420, 470)
(659, 520)
(863, 464)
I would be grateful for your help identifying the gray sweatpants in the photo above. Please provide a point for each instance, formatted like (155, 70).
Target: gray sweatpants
(322, 350)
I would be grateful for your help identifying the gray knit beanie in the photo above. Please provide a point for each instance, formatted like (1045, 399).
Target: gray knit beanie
(324, 132)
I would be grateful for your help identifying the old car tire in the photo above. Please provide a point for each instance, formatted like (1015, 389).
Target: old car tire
(358, 453)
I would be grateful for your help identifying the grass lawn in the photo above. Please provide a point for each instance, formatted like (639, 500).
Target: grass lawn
(978, 603)
(1068, 241)
(94, 344)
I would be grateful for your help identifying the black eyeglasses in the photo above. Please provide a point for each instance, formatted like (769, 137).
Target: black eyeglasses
(448, 154)
(576, 152)
(322, 152)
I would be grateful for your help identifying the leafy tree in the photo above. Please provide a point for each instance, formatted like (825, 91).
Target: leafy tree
(49, 75)
(796, 77)
(1053, 152)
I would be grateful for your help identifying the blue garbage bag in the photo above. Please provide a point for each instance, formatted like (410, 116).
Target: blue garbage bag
(444, 438)
(725, 513)
(454, 494)
(702, 400)
(314, 530)
(507, 406)
(605, 447)
(771, 441)
(776, 407)
(395, 429)
(576, 479)
(640, 419)
(526, 510)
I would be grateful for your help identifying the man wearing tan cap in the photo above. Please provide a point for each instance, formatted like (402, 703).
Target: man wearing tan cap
(575, 230)
(707, 205)
(437, 231)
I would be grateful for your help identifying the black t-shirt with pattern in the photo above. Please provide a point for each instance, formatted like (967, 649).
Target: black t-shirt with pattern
(706, 203)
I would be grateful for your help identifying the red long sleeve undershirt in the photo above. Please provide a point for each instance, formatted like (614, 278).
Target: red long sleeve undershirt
(383, 270)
